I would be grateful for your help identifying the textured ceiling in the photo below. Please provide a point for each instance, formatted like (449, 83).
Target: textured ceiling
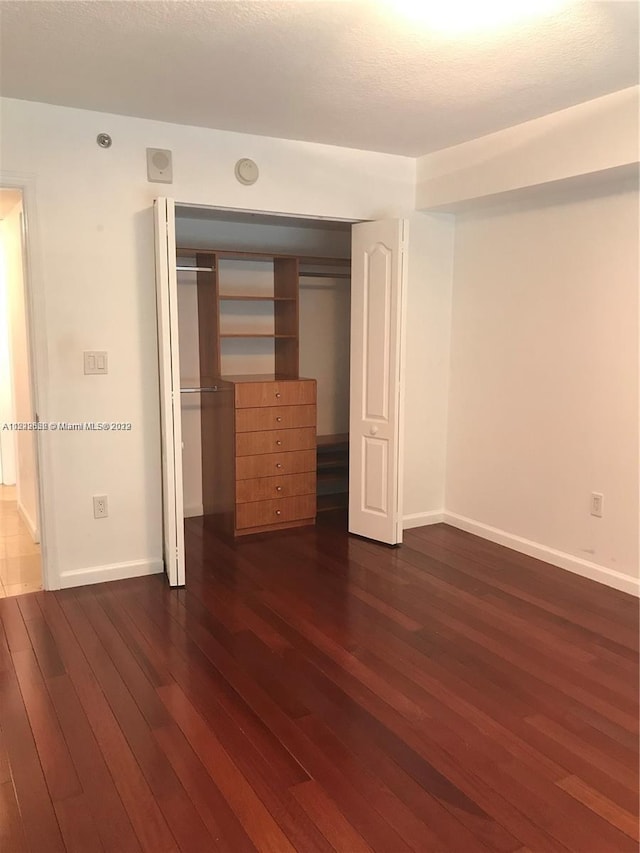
(344, 73)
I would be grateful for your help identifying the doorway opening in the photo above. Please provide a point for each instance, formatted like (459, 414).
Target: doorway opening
(244, 247)
(240, 412)
(21, 569)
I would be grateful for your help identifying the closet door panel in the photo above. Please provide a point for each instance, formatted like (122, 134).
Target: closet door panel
(170, 415)
(377, 327)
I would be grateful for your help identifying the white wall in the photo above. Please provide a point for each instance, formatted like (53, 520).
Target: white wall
(26, 477)
(579, 144)
(428, 324)
(93, 271)
(94, 267)
(544, 382)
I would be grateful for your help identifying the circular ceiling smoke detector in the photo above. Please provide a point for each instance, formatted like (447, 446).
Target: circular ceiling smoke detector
(104, 140)
(247, 171)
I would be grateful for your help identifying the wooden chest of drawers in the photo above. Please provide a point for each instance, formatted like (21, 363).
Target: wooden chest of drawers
(271, 436)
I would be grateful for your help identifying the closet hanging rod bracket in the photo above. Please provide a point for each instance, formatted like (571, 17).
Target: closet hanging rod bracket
(195, 269)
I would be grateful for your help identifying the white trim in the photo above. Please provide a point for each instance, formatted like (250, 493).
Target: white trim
(31, 525)
(601, 574)
(401, 369)
(252, 212)
(114, 572)
(422, 519)
(193, 510)
(169, 375)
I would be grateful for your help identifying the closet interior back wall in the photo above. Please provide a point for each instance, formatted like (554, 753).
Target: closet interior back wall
(324, 323)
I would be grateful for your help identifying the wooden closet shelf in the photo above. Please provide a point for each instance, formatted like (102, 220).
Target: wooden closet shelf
(185, 252)
(332, 440)
(334, 466)
(229, 298)
(254, 335)
(188, 251)
(332, 456)
(334, 501)
(318, 274)
(336, 480)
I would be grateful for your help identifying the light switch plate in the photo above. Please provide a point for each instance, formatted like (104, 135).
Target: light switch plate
(95, 362)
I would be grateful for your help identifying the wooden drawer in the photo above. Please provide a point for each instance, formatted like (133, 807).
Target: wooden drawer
(259, 513)
(275, 441)
(280, 393)
(265, 488)
(275, 417)
(272, 464)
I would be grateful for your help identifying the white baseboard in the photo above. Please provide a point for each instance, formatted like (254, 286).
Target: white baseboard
(602, 574)
(31, 525)
(192, 510)
(114, 572)
(421, 519)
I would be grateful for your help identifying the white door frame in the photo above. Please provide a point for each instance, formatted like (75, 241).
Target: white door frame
(279, 213)
(173, 551)
(35, 312)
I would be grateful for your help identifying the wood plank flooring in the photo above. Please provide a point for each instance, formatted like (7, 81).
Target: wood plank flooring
(309, 691)
(20, 558)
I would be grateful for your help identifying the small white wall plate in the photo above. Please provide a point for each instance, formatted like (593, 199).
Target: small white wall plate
(95, 362)
(159, 166)
(247, 171)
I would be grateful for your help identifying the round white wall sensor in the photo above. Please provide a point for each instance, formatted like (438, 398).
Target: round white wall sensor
(247, 171)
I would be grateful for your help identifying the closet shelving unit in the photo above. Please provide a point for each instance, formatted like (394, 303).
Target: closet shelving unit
(332, 451)
(332, 472)
(238, 503)
(214, 298)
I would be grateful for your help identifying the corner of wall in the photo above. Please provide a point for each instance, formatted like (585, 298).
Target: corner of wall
(422, 519)
(593, 571)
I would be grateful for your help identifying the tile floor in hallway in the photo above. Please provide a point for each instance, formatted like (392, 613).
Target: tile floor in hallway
(20, 565)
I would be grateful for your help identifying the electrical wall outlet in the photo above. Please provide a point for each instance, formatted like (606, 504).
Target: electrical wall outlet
(100, 506)
(597, 504)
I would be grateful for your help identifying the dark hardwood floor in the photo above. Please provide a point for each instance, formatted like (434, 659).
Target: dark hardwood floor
(308, 691)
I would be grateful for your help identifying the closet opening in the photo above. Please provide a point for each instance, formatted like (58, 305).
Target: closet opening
(263, 304)
(21, 557)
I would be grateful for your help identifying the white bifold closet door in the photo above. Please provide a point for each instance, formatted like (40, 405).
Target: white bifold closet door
(378, 272)
(170, 416)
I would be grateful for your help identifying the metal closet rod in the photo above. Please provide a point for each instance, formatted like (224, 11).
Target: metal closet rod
(196, 269)
(198, 390)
